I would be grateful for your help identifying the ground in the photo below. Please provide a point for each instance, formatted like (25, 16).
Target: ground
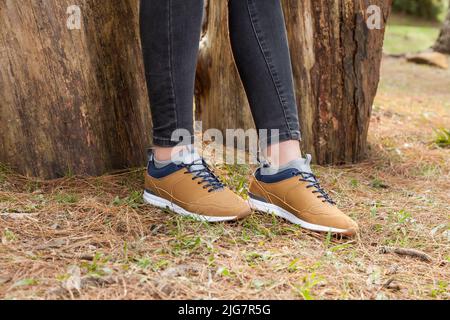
(93, 238)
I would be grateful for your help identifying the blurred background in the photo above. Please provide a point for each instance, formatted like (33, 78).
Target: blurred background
(414, 25)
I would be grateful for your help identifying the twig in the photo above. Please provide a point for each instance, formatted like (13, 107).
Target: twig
(394, 55)
(407, 252)
(390, 285)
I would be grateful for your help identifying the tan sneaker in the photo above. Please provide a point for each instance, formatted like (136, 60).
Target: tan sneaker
(296, 195)
(192, 190)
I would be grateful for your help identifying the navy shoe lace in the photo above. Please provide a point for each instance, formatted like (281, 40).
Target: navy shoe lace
(314, 183)
(201, 170)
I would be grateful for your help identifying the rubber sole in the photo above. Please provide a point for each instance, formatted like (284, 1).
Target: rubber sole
(280, 212)
(165, 204)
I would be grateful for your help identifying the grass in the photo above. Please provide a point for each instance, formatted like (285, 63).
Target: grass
(97, 232)
(442, 139)
(408, 34)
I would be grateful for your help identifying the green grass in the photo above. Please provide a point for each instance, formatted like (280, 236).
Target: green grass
(26, 283)
(236, 177)
(134, 200)
(442, 139)
(4, 171)
(67, 198)
(98, 266)
(409, 34)
(305, 288)
(8, 236)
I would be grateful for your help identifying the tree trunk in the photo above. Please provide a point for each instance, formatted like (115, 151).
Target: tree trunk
(336, 61)
(75, 101)
(220, 99)
(443, 43)
(71, 101)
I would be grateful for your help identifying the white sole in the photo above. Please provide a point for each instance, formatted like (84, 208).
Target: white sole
(165, 204)
(280, 212)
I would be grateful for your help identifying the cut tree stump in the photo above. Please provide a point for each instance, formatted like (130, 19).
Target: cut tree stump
(71, 101)
(336, 62)
(75, 101)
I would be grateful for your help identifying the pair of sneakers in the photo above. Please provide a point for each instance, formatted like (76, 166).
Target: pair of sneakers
(190, 188)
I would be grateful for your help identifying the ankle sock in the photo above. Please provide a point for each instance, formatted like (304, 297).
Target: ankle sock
(303, 165)
(159, 164)
(188, 156)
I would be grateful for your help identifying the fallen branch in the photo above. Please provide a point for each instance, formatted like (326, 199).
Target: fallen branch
(428, 57)
(395, 55)
(431, 58)
(407, 252)
(86, 257)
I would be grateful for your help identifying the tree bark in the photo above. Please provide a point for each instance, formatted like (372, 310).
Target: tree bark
(220, 99)
(442, 45)
(75, 101)
(71, 101)
(336, 62)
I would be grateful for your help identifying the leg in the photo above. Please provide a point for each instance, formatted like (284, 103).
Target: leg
(260, 46)
(288, 188)
(170, 33)
(183, 183)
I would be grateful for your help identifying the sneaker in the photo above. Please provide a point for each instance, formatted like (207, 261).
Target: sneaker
(190, 188)
(294, 193)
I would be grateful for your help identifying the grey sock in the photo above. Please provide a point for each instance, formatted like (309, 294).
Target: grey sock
(161, 164)
(189, 156)
(303, 165)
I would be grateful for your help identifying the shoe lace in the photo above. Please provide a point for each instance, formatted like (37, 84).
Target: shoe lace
(314, 183)
(200, 170)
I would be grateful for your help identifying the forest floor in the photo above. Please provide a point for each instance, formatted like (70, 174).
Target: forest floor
(93, 238)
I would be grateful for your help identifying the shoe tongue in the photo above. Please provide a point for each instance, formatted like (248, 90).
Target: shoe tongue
(192, 158)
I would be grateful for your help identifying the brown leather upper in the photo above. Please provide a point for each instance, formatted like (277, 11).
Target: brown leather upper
(293, 195)
(181, 189)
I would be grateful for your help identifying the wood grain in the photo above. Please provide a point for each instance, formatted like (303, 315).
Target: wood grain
(336, 63)
(71, 101)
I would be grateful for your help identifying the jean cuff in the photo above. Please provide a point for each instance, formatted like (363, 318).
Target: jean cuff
(281, 137)
(169, 143)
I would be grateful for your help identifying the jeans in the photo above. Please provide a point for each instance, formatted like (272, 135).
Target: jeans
(170, 34)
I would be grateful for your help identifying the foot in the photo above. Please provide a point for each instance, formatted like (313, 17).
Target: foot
(295, 194)
(188, 187)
